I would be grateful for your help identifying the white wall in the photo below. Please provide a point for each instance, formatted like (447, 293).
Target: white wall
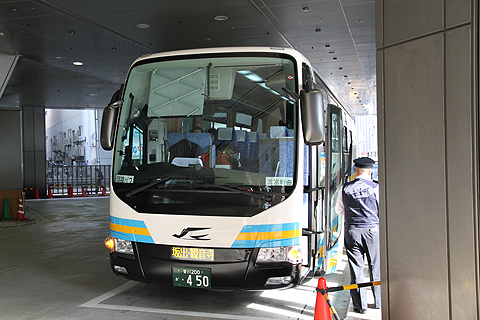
(60, 121)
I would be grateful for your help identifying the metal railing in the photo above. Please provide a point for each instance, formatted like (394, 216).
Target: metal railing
(60, 178)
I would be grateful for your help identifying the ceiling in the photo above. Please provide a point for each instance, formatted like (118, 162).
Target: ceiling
(337, 36)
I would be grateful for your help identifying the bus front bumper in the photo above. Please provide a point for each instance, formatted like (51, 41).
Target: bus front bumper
(157, 267)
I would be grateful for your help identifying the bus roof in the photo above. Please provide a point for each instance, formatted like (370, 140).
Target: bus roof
(289, 51)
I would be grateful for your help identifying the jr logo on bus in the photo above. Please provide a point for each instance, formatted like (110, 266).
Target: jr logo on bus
(187, 234)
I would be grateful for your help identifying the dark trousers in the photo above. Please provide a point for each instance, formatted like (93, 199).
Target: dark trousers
(360, 242)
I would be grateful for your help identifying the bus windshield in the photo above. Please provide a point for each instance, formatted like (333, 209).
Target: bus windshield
(207, 123)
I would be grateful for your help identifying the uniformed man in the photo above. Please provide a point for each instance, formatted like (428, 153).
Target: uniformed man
(358, 202)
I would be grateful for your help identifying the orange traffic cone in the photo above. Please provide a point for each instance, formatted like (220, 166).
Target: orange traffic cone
(36, 193)
(322, 311)
(50, 195)
(70, 192)
(21, 212)
(103, 191)
(83, 192)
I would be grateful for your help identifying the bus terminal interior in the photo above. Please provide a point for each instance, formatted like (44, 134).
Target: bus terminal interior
(406, 72)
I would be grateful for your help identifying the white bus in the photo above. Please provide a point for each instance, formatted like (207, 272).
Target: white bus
(226, 167)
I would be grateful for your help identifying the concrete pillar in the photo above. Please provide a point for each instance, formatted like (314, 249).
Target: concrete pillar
(10, 150)
(427, 75)
(34, 157)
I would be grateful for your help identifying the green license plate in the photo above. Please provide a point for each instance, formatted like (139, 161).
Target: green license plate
(191, 277)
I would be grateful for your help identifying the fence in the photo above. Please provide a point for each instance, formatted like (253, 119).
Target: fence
(60, 178)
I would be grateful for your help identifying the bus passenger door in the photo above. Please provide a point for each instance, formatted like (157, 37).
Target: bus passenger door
(334, 179)
(313, 200)
(318, 220)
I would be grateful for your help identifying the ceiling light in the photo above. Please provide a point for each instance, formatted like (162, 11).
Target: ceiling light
(143, 26)
(250, 75)
(220, 18)
(78, 63)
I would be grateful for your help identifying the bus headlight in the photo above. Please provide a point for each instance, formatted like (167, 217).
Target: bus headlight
(292, 254)
(118, 245)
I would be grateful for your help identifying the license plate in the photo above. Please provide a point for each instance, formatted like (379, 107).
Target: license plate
(191, 277)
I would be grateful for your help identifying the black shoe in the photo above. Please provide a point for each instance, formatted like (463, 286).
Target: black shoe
(362, 311)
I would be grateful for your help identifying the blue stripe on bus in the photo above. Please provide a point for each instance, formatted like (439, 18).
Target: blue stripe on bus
(268, 243)
(271, 227)
(128, 222)
(131, 237)
(121, 235)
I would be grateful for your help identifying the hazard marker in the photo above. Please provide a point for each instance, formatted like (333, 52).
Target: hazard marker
(322, 311)
(21, 212)
(6, 211)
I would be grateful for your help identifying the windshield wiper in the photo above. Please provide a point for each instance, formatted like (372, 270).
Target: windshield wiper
(266, 197)
(129, 195)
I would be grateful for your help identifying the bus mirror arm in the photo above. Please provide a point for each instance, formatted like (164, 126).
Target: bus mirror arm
(291, 95)
(307, 190)
(308, 232)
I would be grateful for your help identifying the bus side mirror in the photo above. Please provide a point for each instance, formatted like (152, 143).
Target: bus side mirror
(109, 122)
(313, 116)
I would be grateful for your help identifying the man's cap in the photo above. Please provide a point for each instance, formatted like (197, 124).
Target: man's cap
(364, 162)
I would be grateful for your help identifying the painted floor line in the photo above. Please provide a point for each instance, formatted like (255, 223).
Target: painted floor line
(96, 303)
(177, 312)
(109, 294)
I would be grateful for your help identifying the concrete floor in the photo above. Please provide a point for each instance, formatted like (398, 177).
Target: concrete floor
(58, 268)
